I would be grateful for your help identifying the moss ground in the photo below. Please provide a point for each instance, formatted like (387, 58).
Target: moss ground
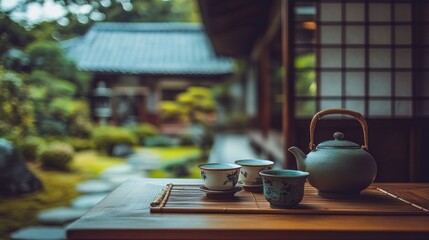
(59, 187)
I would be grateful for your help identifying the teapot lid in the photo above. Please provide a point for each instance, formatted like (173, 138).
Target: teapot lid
(338, 143)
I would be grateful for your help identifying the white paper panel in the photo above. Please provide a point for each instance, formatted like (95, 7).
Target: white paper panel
(330, 84)
(379, 58)
(403, 12)
(403, 108)
(379, 108)
(330, 57)
(355, 12)
(380, 84)
(356, 105)
(403, 34)
(330, 34)
(403, 84)
(403, 58)
(380, 34)
(355, 84)
(355, 35)
(379, 12)
(330, 12)
(355, 58)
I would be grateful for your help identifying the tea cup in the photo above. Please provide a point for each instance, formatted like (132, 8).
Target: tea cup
(219, 176)
(250, 168)
(283, 188)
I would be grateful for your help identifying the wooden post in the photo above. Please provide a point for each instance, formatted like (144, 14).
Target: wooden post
(264, 74)
(288, 85)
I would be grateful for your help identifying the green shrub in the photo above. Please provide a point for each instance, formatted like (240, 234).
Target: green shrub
(173, 112)
(186, 138)
(80, 144)
(30, 146)
(159, 141)
(106, 138)
(52, 127)
(56, 156)
(80, 120)
(144, 130)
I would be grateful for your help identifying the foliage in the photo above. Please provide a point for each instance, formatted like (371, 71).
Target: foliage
(16, 110)
(30, 146)
(197, 99)
(52, 127)
(21, 211)
(196, 104)
(13, 38)
(173, 112)
(80, 124)
(56, 156)
(49, 57)
(158, 141)
(143, 130)
(306, 80)
(79, 144)
(107, 137)
(306, 83)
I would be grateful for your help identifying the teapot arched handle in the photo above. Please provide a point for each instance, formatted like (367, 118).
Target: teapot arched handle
(325, 112)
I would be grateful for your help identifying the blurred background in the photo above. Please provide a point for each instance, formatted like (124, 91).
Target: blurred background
(96, 92)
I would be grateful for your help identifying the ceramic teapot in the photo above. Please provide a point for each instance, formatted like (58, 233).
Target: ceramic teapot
(338, 168)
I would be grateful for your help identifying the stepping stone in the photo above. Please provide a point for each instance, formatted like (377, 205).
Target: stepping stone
(118, 170)
(39, 233)
(145, 160)
(122, 150)
(59, 216)
(87, 201)
(95, 186)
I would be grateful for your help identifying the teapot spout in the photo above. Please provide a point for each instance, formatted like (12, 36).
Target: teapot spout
(300, 157)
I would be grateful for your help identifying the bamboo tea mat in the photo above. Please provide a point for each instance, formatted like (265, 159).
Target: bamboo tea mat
(373, 201)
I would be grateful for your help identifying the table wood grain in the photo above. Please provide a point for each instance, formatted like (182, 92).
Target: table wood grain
(125, 214)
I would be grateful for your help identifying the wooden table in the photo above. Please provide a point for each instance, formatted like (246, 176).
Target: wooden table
(125, 214)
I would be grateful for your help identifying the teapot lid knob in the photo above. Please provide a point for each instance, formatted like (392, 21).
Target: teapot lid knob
(338, 136)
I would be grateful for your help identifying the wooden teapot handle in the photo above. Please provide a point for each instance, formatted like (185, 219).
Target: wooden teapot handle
(325, 112)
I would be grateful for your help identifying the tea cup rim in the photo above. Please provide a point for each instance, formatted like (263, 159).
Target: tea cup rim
(247, 162)
(223, 166)
(279, 173)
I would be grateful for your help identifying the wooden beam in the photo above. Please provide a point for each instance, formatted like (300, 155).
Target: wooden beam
(273, 28)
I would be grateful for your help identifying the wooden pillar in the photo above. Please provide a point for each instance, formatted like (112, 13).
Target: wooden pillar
(265, 105)
(288, 84)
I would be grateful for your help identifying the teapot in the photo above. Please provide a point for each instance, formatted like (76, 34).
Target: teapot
(338, 168)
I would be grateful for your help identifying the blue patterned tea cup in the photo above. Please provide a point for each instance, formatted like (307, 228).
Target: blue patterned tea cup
(283, 188)
(219, 176)
(250, 168)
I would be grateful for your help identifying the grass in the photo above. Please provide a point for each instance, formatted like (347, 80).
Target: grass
(59, 187)
(19, 211)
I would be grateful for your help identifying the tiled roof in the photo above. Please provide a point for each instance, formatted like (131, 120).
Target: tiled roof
(147, 48)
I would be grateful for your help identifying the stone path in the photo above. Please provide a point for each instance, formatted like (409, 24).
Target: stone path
(54, 221)
(227, 148)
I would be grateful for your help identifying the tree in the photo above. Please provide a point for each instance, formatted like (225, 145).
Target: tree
(16, 109)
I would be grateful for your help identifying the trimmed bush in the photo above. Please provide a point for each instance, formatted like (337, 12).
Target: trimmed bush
(143, 130)
(159, 141)
(52, 127)
(56, 156)
(30, 146)
(80, 144)
(105, 138)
